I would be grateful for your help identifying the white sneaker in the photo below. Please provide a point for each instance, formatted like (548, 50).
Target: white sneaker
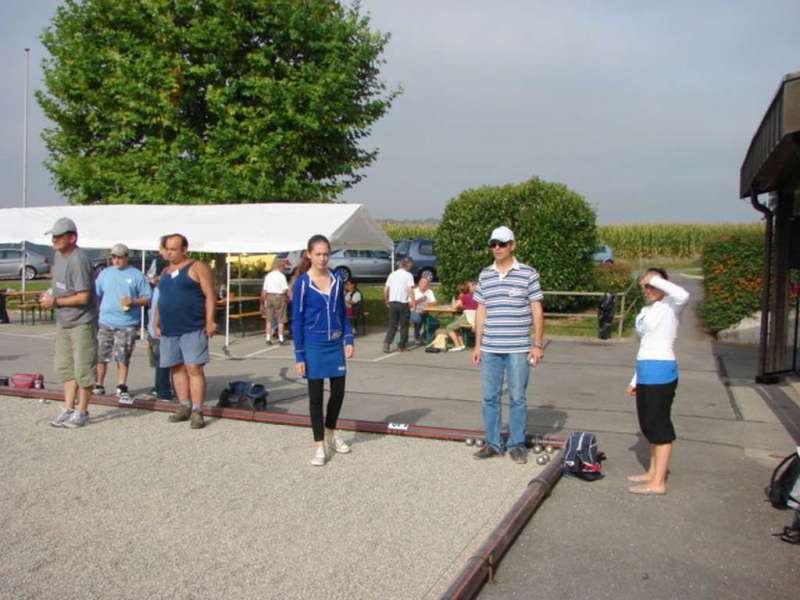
(319, 458)
(458, 348)
(63, 417)
(337, 444)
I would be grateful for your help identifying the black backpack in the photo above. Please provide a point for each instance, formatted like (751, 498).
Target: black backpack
(581, 457)
(244, 394)
(783, 490)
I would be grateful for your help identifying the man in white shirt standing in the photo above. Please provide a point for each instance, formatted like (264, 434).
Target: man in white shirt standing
(274, 300)
(398, 295)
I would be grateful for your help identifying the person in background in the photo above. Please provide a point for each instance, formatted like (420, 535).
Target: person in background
(323, 342)
(72, 299)
(465, 303)
(274, 301)
(656, 377)
(123, 291)
(423, 297)
(354, 304)
(398, 295)
(163, 379)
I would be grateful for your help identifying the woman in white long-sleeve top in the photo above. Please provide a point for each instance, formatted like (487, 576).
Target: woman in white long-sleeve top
(656, 376)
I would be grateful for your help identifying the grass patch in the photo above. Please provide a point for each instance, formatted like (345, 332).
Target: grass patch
(37, 285)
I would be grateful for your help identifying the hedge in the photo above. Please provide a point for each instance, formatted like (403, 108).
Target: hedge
(554, 227)
(732, 272)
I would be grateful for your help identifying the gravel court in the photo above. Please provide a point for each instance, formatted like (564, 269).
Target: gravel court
(234, 510)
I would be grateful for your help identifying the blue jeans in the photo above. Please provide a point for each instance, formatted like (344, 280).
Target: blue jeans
(493, 368)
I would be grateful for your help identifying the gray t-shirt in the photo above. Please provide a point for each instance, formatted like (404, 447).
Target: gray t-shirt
(72, 274)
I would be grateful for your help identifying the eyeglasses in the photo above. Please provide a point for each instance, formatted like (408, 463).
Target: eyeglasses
(498, 244)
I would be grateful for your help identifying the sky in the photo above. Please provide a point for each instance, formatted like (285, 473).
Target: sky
(646, 109)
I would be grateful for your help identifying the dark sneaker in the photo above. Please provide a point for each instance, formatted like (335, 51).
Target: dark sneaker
(386, 349)
(518, 455)
(486, 452)
(197, 421)
(98, 390)
(182, 413)
(123, 397)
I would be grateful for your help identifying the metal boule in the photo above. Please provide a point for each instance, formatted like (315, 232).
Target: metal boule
(542, 459)
(537, 448)
(469, 442)
(549, 449)
(480, 443)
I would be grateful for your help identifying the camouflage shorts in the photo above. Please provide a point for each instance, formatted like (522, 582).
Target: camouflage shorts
(115, 344)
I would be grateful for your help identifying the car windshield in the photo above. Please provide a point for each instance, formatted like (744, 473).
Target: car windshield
(402, 247)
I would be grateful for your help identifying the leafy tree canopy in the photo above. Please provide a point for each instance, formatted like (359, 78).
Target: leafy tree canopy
(210, 101)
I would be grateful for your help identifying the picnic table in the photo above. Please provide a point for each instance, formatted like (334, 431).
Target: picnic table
(25, 303)
(241, 314)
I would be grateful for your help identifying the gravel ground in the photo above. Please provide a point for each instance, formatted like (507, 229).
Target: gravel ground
(134, 507)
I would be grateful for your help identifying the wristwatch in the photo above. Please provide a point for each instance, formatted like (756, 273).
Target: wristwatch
(538, 345)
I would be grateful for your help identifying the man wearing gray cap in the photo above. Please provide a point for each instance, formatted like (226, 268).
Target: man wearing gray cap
(72, 300)
(509, 301)
(123, 291)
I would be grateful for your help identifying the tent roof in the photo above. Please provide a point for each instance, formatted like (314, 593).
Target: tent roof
(273, 227)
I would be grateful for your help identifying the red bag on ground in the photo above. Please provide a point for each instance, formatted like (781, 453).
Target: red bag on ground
(27, 380)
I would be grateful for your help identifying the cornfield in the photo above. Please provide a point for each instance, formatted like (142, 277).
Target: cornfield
(667, 240)
(673, 240)
(410, 231)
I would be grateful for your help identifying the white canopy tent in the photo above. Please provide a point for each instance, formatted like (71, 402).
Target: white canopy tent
(222, 228)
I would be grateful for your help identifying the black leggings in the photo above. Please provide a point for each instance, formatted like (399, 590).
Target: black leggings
(315, 392)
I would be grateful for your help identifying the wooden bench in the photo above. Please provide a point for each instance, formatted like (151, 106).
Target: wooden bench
(33, 308)
(240, 317)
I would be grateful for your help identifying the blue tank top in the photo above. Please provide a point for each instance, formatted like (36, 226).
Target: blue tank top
(181, 303)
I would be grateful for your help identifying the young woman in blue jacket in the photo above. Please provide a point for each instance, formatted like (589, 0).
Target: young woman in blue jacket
(323, 340)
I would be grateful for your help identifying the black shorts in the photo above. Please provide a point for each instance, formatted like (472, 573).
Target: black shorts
(654, 405)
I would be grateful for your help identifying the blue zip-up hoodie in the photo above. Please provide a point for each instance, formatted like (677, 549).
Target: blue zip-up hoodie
(318, 317)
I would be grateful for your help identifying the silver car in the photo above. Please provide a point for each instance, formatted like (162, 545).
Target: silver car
(11, 264)
(361, 264)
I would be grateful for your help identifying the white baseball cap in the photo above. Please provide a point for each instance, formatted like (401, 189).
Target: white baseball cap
(502, 234)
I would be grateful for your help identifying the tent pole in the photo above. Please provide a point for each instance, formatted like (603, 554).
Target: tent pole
(227, 299)
(25, 167)
(141, 314)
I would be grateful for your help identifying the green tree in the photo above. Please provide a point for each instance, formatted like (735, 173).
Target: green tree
(210, 101)
(554, 226)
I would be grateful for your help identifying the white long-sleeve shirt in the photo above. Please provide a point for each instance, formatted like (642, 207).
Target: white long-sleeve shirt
(657, 324)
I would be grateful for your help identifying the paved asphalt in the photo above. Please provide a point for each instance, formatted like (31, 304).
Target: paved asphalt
(709, 537)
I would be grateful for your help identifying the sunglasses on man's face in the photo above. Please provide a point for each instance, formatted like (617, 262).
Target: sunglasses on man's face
(498, 244)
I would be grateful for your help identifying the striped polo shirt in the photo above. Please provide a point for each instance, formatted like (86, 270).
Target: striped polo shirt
(507, 298)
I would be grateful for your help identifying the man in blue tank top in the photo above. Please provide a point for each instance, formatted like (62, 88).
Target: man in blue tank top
(184, 320)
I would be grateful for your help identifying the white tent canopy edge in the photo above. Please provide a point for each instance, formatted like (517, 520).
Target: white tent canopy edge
(222, 228)
(225, 228)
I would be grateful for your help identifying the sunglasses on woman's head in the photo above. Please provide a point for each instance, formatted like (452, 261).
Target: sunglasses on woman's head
(498, 244)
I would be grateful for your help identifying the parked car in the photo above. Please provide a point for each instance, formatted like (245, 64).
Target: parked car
(603, 254)
(361, 264)
(11, 263)
(422, 253)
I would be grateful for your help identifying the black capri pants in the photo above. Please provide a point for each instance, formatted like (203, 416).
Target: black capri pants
(654, 407)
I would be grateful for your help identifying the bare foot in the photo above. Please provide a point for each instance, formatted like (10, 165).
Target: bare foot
(640, 478)
(648, 490)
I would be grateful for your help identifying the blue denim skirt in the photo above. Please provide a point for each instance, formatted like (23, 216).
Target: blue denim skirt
(325, 360)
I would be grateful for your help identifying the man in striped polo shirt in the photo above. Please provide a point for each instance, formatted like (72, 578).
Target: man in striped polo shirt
(509, 302)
